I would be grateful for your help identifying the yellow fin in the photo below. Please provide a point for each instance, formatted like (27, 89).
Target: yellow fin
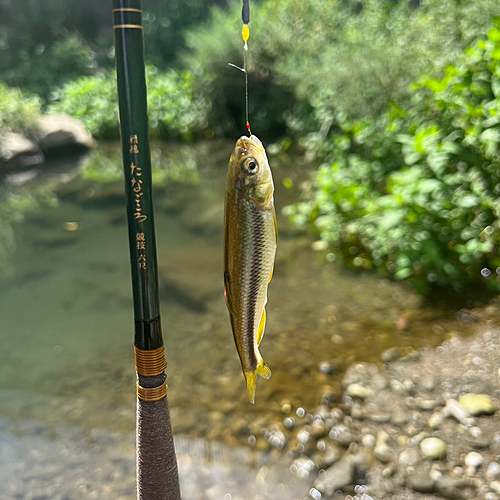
(263, 371)
(272, 272)
(262, 326)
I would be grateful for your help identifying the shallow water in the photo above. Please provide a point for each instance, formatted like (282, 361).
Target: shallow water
(66, 325)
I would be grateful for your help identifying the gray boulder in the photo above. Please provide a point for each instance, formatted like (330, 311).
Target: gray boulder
(18, 152)
(61, 132)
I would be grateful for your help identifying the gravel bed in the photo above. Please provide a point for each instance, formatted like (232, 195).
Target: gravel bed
(423, 426)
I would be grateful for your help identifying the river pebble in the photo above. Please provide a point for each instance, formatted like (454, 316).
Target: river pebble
(454, 409)
(421, 480)
(410, 456)
(435, 420)
(477, 404)
(450, 487)
(391, 354)
(493, 470)
(474, 459)
(434, 448)
(356, 391)
(328, 456)
(368, 441)
(336, 477)
(382, 450)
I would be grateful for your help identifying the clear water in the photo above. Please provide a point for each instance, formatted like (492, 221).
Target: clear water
(66, 324)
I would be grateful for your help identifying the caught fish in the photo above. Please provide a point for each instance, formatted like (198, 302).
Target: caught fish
(250, 238)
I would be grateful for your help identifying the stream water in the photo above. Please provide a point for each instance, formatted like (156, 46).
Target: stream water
(66, 312)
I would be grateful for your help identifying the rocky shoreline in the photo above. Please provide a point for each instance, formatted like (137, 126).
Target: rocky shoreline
(52, 136)
(424, 426)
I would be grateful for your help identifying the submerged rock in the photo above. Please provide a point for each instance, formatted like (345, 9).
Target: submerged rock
(337, 477)
(356, 391)
(474, 459)
(382, 450)
(477, 404)
(421, 480)
(434, 448)
(451, 487)
(408, 457)
(391, 354)
(454, 409)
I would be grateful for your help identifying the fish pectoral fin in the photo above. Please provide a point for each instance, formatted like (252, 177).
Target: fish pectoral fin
(263, 371)
(227, 293)
(262, 327)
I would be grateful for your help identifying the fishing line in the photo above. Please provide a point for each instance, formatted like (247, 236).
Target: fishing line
(245, 34)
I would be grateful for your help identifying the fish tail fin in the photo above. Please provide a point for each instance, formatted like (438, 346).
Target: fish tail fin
(263, 371)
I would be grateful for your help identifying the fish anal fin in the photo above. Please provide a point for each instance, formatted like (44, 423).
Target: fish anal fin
(263, 371)
(227, 293)
(262, 327)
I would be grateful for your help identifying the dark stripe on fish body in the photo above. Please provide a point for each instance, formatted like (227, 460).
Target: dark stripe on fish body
(257, 248)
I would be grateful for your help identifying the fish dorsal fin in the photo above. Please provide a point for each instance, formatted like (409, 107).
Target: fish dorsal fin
(227, 293)
(262, 327)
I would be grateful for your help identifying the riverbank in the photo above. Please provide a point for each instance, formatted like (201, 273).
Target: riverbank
(425, 426)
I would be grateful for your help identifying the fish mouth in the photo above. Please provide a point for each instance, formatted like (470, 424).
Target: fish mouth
(245, 143)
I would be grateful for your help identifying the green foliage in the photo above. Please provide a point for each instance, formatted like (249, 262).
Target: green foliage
(416, 191)
(44, 44)
(164, 23)
(174, 109)
(50, 66)
(106, 166)
(311, 61)
(17, 111)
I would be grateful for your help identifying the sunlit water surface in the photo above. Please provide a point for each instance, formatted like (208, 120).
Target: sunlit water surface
(66, 324)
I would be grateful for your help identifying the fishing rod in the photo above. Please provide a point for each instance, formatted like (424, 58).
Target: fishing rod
(157, 473)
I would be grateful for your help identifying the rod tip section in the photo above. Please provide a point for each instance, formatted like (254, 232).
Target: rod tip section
(245, 33)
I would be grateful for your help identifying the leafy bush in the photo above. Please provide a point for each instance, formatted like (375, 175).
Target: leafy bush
(106, 166)
(416, 191)
(313, 60)
(17, 111)
(174, 110)
(50, 66)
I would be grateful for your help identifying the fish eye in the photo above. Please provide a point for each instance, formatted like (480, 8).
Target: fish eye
(250, 166)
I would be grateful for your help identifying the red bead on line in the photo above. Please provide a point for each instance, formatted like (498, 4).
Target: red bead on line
(248, 127)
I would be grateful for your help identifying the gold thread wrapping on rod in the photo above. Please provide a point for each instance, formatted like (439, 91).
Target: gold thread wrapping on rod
(151, 394)
(127, 10)
(138, 26)
(150, 363)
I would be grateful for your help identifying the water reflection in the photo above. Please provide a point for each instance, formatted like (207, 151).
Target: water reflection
(66, 310)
